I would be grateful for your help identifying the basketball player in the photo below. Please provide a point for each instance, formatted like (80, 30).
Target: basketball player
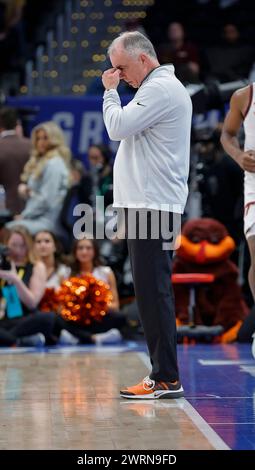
(242, 110)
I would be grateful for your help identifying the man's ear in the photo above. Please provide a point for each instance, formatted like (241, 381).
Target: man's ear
(143, 58)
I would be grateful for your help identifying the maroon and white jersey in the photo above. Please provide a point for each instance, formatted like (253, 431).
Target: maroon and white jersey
(249, 178)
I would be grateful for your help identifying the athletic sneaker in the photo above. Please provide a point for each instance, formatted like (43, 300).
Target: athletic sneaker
(150, 389)
(253, 346)
(67, 339)
(112, 336)
(36, 340)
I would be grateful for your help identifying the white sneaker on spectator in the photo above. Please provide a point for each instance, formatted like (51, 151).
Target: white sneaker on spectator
(67, 338)
(253, 346)
(36, 340)
(112, 336)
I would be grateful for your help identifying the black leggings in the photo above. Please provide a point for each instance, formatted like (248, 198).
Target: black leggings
(84, 333)
(31, 324)
(51, 324)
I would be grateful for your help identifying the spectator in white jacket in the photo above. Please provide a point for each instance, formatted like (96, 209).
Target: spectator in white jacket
(44, 180)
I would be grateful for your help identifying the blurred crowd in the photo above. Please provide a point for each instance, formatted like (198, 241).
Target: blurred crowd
(41, 184)
(40, 187)
(218, 44)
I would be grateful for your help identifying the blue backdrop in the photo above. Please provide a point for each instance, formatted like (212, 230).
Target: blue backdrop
(81, 119)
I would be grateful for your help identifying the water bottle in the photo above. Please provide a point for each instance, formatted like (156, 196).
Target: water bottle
(2, 199)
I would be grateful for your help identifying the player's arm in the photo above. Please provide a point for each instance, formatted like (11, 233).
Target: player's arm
(232, 124)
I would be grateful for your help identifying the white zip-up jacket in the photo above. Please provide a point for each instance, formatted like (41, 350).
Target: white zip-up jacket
(152, 163)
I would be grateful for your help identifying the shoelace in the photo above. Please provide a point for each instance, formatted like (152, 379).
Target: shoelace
(148, 384)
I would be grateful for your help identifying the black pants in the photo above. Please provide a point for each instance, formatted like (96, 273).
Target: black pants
(74, 328)
(51, 324)
(151, 268)
(84, 333)
(11, 330)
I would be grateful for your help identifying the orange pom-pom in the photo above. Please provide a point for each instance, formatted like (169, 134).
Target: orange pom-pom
(83, 299)
(49, 302)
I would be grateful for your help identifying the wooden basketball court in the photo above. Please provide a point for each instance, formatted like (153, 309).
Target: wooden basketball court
(68, 399)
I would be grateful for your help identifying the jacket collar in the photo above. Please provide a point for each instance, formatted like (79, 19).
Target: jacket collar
(153, 70)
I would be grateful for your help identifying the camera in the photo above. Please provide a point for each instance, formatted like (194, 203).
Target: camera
(4, 261)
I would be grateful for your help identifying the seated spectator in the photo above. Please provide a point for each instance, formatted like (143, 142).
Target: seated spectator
(45, 180)
(181, 53)
(80, 192)
(21, 323)
(14, 153)
(22, 288)
(46, 249)
(231, 60)
(86, 261)
(102, 174)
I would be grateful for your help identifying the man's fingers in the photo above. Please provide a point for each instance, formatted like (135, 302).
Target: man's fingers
(250, 163)
(249, 167)
(110, 71)
(250, 154)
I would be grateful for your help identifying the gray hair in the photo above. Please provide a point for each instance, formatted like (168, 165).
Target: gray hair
(133, 43)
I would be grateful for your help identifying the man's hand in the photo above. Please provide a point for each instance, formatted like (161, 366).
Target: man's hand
(111, 79)
(246, 160)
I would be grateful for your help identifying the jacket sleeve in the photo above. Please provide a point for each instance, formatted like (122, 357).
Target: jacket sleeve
(149, 105)
(53, 184)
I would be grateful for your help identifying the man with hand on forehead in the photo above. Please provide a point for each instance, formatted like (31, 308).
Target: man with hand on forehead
(150, 184)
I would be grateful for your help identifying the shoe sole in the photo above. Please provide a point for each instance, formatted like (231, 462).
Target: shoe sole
(158, 395)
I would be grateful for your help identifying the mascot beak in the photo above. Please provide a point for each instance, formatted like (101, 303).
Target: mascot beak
(201, 254)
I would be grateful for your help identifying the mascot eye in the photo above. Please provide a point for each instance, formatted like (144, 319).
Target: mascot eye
(195, 239)
(214, 240)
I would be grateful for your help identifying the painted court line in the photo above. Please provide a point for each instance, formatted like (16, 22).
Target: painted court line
(65, 350)
(195, 417)
(224, 362)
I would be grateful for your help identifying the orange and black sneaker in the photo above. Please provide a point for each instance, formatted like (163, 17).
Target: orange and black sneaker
(149, 389)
